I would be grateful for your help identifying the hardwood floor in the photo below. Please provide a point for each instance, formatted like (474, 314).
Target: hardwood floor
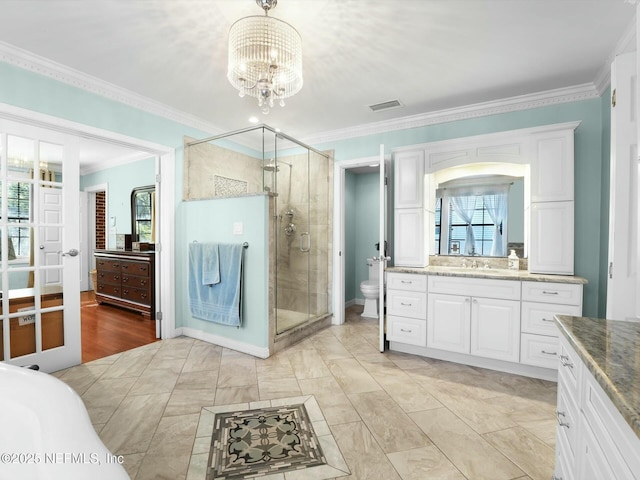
(108, 329)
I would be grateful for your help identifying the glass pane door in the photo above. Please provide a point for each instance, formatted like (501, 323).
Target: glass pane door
(38, 219)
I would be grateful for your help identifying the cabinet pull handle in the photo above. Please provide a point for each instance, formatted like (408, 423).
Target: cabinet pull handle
(546, 292)
(125, 266)
(406, 281)
(553, 477)
(547, 319)
(560, 422)
(564, 360)
(549, 353)
(405, 304)
(405, 331)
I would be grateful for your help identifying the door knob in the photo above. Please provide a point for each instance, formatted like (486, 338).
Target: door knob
(71, 253)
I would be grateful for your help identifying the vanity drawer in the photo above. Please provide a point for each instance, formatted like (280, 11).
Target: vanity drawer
(406, 281)
(547, 292)
(136, 268)
(407, 330)
(567, 416)
(539, 350)
(537, 318)
(569, 367)
(108, 264)
(475, 287)
(407, 304)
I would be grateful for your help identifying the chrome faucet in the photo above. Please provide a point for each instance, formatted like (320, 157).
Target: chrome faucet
(474, 264)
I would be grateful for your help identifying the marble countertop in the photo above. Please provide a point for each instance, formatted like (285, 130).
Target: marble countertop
(495, 273)
(610, 349)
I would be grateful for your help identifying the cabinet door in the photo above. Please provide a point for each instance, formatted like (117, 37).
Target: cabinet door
(409, 241)
(409, 179)
(448, 318)
(552, 167)
(593, 464)
(495, 329)
(551, 249)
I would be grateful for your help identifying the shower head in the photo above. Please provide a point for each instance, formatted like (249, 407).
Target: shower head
(274, 167)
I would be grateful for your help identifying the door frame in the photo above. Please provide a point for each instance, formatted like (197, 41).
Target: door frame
(339, 172)
(165, 163)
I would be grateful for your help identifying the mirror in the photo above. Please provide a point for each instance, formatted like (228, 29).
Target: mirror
(479, 210)
(143, 214)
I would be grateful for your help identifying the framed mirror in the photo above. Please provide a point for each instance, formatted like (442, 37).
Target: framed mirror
(143, 214)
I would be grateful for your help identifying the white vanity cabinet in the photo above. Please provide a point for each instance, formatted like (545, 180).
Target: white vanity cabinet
(407, 308)
(410, 238)
(474, 316)
(593, 441)
(539, 335)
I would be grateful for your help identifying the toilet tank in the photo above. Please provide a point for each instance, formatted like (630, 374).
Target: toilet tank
(374, 269)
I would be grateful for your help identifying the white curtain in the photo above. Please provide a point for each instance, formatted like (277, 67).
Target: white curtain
(496, 206)
(464, 207)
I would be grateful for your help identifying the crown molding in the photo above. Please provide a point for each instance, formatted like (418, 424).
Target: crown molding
(626, 43)
(513, 104)
(42, 66)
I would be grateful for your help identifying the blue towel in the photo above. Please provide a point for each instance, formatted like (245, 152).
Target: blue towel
(221, 302)
(210, 264)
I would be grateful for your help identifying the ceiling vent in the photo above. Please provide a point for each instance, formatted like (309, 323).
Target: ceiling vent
(378, 107)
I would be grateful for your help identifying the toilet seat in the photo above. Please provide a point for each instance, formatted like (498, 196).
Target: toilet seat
(369, 286)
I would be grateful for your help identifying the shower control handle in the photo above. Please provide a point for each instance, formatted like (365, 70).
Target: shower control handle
(308, 247)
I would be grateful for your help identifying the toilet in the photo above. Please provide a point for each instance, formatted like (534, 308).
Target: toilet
(371, 290)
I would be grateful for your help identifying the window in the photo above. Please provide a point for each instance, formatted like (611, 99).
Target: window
(18, 211)
(143, 214)
(471, 223)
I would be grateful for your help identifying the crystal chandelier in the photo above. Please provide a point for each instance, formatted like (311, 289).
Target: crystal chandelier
(265, 58)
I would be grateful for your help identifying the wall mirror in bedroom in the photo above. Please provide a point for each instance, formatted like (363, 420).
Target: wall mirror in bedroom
(143, 212)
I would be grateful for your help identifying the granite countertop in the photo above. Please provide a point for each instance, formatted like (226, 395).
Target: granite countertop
(494, 273)
(610, 349)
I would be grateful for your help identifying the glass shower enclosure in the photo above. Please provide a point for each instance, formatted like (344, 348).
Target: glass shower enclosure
(298, 181)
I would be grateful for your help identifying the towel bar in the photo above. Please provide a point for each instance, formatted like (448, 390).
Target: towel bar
(245, 244)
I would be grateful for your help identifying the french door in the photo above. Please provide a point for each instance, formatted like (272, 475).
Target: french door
(39, 238)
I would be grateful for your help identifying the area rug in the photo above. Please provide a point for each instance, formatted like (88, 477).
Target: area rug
(288, 438)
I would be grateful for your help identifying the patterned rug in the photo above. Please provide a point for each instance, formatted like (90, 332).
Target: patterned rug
(263, 441)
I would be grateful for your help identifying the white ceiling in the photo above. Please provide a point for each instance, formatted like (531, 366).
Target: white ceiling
(430, 54)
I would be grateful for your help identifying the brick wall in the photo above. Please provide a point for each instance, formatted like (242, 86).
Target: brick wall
(101, 226)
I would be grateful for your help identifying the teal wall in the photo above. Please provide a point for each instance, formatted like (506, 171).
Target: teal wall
(121, 180)
(42, 94)
(212, 221)
(590, 194)
(367, 224)
(350, 288)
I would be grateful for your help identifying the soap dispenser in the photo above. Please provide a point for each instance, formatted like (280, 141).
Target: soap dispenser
(514, 261)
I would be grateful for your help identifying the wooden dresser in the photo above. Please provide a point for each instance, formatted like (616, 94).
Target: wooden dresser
(126, 279)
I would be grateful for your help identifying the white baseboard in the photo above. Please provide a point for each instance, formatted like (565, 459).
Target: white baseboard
(474, 361)
(260, 352)
(350, 303)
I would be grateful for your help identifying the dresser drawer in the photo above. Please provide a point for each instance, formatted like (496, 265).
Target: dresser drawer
(105, 264)
(136, 295)
(406, 281)
(407, 304)
(135, 281)
(135, 268)
(547, 292)
(474, 287)
(407, 330)
(112, 278)
(107, 289)
(539, 350)
(538, 317)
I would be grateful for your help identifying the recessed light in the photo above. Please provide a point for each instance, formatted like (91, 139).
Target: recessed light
(253, 120)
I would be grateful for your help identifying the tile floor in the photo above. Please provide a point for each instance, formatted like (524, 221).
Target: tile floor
(393, 416)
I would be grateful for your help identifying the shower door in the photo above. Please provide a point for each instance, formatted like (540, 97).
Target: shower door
(302, 239)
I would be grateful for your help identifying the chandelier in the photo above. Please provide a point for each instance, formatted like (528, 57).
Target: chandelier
(265, 58)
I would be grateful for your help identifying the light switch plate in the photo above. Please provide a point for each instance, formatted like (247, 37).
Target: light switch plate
(238, 228)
